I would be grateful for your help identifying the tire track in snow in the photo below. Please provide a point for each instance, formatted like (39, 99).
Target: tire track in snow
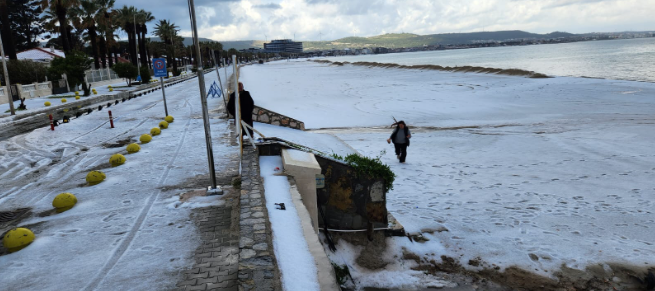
(129, 238)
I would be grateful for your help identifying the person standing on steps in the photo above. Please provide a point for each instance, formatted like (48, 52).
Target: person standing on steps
(400, 138)
(246, 104)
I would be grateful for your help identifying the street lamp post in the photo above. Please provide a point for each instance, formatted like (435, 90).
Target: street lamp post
(138, 65)
(203, 100)
(8, 88)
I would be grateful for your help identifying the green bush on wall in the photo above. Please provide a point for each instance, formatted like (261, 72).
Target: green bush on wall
(373, 168)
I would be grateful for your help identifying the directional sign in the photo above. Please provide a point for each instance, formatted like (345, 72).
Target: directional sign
(159, 65)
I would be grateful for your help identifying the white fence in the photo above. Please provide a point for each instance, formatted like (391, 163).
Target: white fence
(93, 76)
(34, 90)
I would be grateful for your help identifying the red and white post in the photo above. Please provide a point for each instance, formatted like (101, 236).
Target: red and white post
(52, 124)
(111, 119)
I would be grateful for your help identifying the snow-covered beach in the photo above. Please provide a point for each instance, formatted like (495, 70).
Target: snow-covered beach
(503, 171)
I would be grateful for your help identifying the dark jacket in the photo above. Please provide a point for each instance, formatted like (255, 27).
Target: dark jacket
(246, 103)
(395, 132)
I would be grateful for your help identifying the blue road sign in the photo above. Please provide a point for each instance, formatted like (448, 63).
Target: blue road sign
(159, 65)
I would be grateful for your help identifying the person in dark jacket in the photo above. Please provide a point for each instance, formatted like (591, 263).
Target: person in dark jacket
(246, 104)
(400, 138)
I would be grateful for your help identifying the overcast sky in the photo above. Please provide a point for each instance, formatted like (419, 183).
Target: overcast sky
(332, 19)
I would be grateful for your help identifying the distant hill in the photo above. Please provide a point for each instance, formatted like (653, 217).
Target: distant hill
(236, 44)
(397, 40)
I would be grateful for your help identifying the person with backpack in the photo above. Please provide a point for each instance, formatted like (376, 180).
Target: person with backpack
(400, 138)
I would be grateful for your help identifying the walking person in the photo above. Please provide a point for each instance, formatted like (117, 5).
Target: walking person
(246, 104)
(400, 138)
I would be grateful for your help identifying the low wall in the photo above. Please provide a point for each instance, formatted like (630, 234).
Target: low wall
(34, 90)
(3, 95)
(36, 118)
(349, 201)
(264, 115)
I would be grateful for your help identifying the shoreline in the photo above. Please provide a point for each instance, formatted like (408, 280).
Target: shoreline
(467, 69)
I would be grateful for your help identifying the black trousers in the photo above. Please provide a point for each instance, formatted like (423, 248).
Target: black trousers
(401, 149)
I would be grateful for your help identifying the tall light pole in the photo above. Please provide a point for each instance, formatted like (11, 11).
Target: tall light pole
(138, 64)
(8, 88)
(203, 99)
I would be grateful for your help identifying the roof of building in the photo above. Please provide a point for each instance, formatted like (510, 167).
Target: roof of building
(40, 54)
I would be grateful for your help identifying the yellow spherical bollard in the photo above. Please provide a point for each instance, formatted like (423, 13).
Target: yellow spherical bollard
(17, 239)
(163, 125)
(133, 148)
(65, 109)
(46, 103)
(111, 89)
(155, 131)
(77, 97)
(64, 201)
(63, 100)
(117, 160)
(95, 177)
(95, 92)
(77, 93)
(169, 119)
(145, 138)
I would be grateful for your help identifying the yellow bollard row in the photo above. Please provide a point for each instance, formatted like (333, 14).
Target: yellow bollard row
(19, 238)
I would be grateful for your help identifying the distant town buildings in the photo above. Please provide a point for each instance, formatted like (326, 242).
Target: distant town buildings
(283, 46)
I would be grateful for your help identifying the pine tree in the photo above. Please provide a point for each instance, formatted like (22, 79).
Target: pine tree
(24, 16)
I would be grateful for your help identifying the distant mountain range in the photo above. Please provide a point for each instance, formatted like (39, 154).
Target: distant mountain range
(398, 40)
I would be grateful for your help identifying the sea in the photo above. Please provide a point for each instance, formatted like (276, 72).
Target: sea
(619, 59)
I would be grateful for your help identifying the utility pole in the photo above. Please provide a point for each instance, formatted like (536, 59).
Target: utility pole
(138, 64)
(8, 88)
(213, 189)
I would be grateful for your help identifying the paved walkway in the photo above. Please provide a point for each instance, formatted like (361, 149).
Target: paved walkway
(236, 251)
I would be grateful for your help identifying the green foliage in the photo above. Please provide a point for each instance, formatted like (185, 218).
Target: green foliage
(145, 75)
(236, 183)
(73, 66)
(25, 72)
(371, 167)
(126, 71)
(342, 273)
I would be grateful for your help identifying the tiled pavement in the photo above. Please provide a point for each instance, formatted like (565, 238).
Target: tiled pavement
(236, 252)
(217, 257)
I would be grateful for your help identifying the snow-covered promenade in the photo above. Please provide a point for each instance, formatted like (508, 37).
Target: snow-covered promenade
(502, 171)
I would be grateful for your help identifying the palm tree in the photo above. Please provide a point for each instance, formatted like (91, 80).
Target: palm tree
(142, 18)
(60, 8)
(126, 17)
(167, 32)
(87, 20)
(106, 26)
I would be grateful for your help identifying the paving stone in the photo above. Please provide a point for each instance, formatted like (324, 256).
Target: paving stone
(187, 282)
(197, 287)
(246, 242)
(208, 280)
(198, 276)
(260, 246)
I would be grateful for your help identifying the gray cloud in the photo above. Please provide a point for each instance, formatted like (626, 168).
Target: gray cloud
(268, 6)
(333, 19)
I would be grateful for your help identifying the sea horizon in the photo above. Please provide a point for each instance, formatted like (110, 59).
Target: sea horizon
(621, 59)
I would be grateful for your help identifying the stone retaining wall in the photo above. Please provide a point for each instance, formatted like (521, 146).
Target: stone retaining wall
(349, 202)
(36, 118)
(264, 115)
